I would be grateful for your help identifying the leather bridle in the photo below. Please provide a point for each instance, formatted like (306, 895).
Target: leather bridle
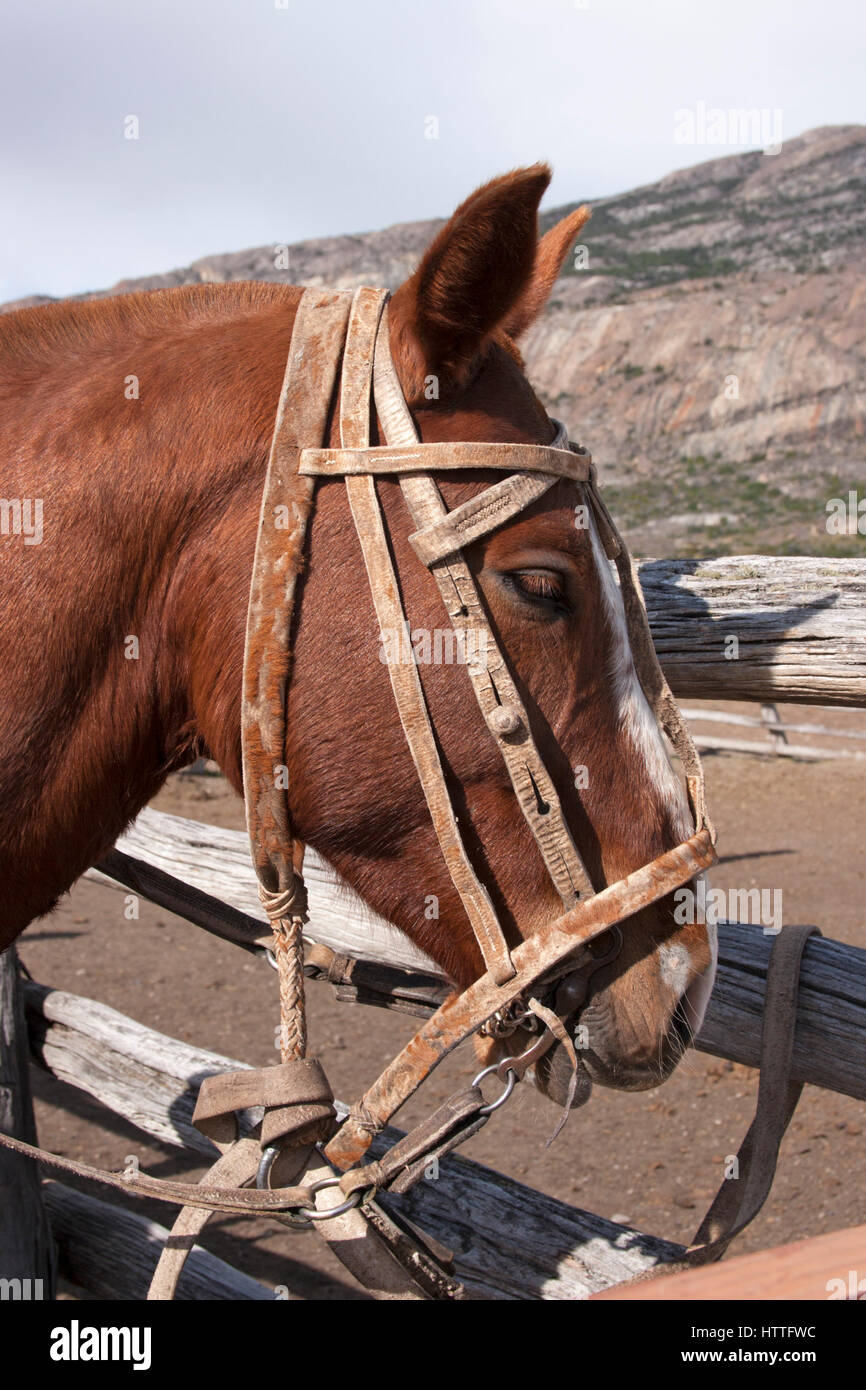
(368, 375)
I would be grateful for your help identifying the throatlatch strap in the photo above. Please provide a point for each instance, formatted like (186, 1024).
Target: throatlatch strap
(308, 386)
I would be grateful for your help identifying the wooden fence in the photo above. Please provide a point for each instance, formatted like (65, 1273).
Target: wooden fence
(777, 730)
(756, 628)
(524, 1245)
(789, 629)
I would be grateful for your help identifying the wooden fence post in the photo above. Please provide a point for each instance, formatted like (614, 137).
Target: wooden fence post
(26, 1249)
(771, 718)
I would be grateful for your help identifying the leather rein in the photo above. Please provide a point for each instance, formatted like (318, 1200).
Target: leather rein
(303, 1162)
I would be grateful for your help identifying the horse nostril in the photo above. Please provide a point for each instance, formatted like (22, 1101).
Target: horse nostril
(605, 947)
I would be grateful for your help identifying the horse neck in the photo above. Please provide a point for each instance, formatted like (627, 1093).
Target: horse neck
(154, 506)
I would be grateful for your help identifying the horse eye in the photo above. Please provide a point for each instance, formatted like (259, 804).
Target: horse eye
(542, 587)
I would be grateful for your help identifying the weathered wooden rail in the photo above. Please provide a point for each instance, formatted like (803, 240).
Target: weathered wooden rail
(90, 1236)
(25, 1238)
(799, 624)
(523, 1244)
(777, 729)
(830, 1048)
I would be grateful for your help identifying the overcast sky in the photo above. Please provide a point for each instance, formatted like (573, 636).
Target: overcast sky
(265, 121)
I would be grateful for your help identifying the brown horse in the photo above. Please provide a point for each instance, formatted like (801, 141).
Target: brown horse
(135, 434)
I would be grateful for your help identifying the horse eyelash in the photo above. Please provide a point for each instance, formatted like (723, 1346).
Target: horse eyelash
(540, 585)
(539, 589)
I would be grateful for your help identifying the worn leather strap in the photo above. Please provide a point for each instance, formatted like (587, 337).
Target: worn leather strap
(209, 1198)
(295, 1095)
(412, 709)
(435, 458)
(308, 387)
(493, 507)
(739, 1200)
(491, 680)
(405, 681)
(741, 1197)
(236, 1166)
(405, 1162)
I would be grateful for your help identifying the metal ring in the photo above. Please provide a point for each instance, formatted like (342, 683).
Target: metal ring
(502, 1024)
(612, 952)
(312, 1214)
(488, 1071)
(266, 1163)
(304, 1215)
(263, 1172)
(510, 1083)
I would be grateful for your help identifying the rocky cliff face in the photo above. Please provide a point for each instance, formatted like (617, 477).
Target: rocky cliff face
(711, 355)
(706, 342)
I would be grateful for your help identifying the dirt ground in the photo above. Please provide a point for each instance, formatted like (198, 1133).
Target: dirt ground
(652, 1159)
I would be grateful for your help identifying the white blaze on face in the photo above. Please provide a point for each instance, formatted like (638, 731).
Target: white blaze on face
(634, 713)
(640, 724)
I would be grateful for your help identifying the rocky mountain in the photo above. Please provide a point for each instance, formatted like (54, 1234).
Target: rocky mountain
(711, 355)
(706, 340)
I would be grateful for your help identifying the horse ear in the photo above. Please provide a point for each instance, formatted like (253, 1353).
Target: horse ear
(553, 248)
(470, 277)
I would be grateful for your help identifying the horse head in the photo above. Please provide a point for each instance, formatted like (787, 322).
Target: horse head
(151, 518)
(555, 609)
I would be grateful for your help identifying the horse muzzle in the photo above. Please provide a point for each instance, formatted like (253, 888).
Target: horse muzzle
(560, 1072)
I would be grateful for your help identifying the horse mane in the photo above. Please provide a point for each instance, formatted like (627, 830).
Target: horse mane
(43, 329)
